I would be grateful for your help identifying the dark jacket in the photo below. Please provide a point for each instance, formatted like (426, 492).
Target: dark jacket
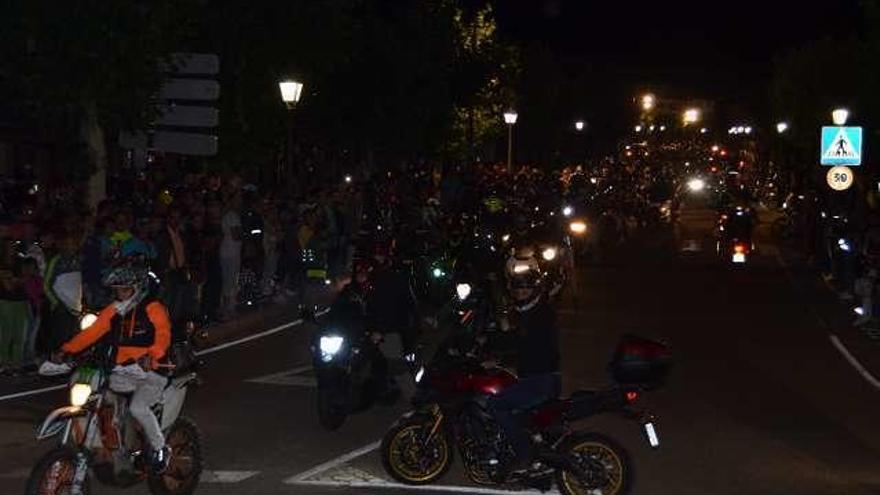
(538, 349)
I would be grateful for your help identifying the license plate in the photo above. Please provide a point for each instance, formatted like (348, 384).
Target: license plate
(651, 433)
(739, 258)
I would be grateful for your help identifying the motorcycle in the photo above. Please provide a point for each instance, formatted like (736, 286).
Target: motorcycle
(451, 411)
(345, 375)
(735, 235)
(97, 436)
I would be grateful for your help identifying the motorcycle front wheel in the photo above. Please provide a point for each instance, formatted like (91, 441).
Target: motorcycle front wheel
(185, 466)
(53, 474)
(604, 465)
(331, 408)
(407, 458)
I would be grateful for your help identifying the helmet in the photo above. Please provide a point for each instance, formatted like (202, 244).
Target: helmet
(523, 300)
(125, 276)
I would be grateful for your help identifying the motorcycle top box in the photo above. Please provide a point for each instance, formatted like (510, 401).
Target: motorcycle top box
(640, 362)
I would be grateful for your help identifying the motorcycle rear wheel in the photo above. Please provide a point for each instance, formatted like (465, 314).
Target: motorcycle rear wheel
(186, 463)
(53, 474)
(590, 450)
(331, 414)
(404, 456)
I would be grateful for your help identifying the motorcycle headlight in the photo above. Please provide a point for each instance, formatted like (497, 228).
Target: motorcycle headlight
(568, 211)
(79, 394)
(463, 291)
(87, 320)
(521, 268)
(577, 227)
(505, 238)
(437, 272)
(330, 346)
(420, 374)
(549, 254)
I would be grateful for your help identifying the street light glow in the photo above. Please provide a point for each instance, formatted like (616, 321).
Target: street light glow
(649, 101)
(662, 128)
(291, 91)
(748, 130)
(691, 116)
(638, 128)
(781, 127)
(840, 116)
(704, 130)
(510, 117)
(715, 148)
(696, 184)
(579, 125)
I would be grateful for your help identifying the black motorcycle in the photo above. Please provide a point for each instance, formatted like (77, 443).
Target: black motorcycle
(346, 367)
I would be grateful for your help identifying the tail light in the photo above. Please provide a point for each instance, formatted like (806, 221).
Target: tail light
(632, 396)
(739, 249)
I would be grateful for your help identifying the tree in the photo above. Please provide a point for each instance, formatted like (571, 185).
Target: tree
(87, 68)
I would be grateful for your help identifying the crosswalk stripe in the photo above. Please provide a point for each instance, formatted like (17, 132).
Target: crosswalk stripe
(226, 476)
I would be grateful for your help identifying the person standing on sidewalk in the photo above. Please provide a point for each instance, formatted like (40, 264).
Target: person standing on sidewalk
(230, 254)
(63, 289)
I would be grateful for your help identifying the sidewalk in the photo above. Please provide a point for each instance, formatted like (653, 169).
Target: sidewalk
(836, 315)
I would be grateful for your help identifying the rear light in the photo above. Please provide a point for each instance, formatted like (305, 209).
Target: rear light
(632, 396)
(739, 249)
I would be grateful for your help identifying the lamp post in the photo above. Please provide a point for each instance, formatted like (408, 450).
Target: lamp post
(510, 117)
(649, 101)
(579, 128)
(291, 91)
(781, 127)
(840, 116)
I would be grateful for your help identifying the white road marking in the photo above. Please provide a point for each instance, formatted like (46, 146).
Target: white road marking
(357, 478)
(203, 352)
(31, 392)
(226, 476)
(19, 473)
(292, 378)
(854, 362)
(366, 449)
(425, 488)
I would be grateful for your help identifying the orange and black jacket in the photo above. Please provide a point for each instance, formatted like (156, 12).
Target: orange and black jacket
(146, 329)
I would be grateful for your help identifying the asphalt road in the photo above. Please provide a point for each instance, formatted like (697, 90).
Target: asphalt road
(760, 402)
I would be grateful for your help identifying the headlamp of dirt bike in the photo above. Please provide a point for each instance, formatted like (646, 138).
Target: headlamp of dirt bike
(577, 227)
(549, 254)
(330, 346)
(420, 374)
(87, 320)
(79, 394)
(463, 291)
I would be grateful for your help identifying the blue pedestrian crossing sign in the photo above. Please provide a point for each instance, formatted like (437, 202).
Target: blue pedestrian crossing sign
(841, 146)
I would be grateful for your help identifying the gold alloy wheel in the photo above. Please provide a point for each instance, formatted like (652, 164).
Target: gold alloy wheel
(604, 455)
(413, 461)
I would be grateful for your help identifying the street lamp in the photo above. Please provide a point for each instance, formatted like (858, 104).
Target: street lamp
(781, 127)
(649, 101)
(747, 130)
(691, 116)
(291, 91)
(579, 125)
(638, 128)
(510, 117)
(840, 116)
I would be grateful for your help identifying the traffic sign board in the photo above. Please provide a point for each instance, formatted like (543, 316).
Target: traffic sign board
(841, 146)
(840, 178)
(189, 116)
(190, 89)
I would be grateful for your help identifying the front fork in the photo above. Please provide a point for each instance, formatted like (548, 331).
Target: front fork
(79, 474)
(437, 414)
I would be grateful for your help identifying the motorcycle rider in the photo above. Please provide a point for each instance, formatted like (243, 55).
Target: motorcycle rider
(537, 363)
(391, 305)
(350, 313)
(140, 332)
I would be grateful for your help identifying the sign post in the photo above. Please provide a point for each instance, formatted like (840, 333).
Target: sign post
(840, 148)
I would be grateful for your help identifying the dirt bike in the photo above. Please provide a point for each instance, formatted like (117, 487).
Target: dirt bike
(451, 410)
(97, 437)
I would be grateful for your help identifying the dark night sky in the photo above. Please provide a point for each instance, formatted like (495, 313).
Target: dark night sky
(721, 50)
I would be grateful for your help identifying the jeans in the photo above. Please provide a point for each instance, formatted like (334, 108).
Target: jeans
(525, 394)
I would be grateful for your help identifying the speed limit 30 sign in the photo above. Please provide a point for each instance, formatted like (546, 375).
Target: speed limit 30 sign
(840, 178)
